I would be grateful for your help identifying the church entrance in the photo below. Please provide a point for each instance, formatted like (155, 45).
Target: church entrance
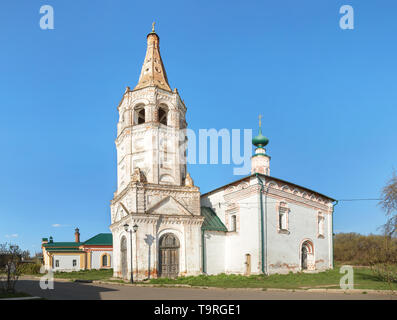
(307, 256)
(124, 265)
(304, 257)
(169, 256)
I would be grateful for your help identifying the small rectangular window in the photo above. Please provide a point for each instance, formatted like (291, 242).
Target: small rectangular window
(74, 263)
(282, 218)
(320, 225)
(56, 263)
(234, 224)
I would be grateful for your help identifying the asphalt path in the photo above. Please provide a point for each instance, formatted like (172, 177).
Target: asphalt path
(92, 291)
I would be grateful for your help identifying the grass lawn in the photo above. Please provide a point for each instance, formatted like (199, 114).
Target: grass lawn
(363, 279)
(13, 295)
(85, 275)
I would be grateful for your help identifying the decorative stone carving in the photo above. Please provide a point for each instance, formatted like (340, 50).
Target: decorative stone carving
(138, 176)
(189, 181)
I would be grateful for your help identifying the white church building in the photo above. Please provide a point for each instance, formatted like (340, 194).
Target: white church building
(163, 227)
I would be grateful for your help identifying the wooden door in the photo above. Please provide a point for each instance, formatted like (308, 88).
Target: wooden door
(248, 264)
(169, 256)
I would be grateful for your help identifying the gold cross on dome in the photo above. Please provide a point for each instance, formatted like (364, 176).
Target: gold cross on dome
(153, 26)
(260, 120)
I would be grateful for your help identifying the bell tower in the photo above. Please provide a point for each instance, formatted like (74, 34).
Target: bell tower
(154, 190)
(151, 129)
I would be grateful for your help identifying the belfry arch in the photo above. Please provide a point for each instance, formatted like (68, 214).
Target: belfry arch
(163, 114)
(139, 114)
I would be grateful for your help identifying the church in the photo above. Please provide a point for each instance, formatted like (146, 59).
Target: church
(162, 226)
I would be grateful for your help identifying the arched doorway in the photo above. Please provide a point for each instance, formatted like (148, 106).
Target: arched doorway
(168, 256)
(307, 255)
(123, 250)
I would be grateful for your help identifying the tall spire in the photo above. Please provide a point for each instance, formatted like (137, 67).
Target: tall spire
(153, 71)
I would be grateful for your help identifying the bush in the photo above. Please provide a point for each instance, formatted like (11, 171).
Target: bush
(357, 249)
(29, 268)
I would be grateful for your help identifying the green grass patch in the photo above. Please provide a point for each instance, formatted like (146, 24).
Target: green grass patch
(4, 295)
(85, 275)
(364, 278)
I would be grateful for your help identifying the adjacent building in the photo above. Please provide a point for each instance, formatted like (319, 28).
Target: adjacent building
(95, 253)
(265, 224)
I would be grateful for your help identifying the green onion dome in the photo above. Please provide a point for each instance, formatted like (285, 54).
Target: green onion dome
(260, 140)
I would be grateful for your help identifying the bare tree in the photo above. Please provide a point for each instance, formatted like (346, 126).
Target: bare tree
(385, 263)
(389, 205)
(9, 271)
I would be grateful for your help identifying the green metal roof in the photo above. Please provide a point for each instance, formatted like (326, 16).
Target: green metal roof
(104, 239)
(211, 220)
(63, 244)
(64, 250)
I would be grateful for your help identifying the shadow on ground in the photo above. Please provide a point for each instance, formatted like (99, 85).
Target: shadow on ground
(62, 290)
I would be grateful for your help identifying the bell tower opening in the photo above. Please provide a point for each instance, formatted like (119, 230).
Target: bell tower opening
(139, 115)
(163, 114)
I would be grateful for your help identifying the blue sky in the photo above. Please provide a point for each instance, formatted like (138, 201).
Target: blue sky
(328, 97)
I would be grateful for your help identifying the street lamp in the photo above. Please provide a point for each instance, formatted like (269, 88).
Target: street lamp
(135, 228)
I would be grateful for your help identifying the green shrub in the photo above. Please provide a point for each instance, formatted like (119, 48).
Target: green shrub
(29, 268)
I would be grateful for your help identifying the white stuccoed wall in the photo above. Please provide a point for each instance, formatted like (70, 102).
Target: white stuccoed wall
(215, 248)
(66, 262)
(145, 245)
(247, 238)
(96, 258)
(283, 250)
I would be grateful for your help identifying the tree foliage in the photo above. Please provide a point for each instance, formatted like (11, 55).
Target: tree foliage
(9, 271)
(357, 249)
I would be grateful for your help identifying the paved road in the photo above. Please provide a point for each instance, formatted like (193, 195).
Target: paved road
(85, 291)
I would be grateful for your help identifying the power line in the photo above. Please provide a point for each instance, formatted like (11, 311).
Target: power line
(369, 199)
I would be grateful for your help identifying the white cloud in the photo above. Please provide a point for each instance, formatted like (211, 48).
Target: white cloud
(14, 235)
(58, 225)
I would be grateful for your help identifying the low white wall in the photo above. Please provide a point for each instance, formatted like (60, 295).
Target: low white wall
(214, 244)
(66, 262)
(96, 259)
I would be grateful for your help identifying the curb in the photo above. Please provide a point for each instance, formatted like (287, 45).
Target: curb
(21, 298)
(313, 290)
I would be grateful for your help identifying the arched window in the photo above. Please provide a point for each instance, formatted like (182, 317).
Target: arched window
(139, 115)
(105, 260)
(163, 114)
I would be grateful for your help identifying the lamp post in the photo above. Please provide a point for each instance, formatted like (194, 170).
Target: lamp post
(135, 228)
